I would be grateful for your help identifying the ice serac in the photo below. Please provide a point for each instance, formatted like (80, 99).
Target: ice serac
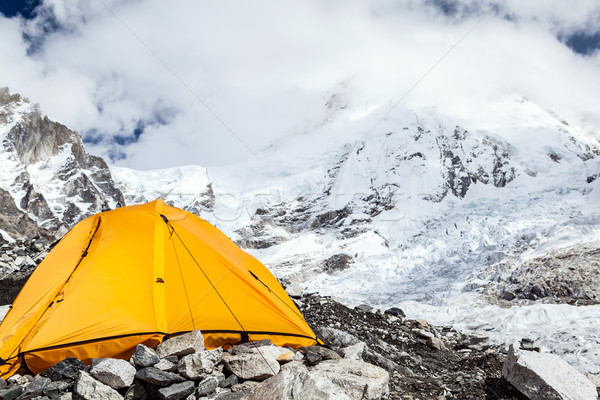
(48, 180)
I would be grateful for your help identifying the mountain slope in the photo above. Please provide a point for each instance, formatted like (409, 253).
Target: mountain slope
(48, 181)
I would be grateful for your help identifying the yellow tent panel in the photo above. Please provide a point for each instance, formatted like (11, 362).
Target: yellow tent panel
(139, 274)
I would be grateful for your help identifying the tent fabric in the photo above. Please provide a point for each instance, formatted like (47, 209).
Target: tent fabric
(140, 274)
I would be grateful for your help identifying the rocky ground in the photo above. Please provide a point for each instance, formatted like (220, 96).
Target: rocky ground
(423, 361)
(569, 275)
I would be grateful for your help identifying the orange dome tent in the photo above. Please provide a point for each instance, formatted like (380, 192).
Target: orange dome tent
(139, 274)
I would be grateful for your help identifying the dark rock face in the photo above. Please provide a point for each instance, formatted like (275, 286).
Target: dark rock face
(338, 262)
(66, 370)
(14, 221)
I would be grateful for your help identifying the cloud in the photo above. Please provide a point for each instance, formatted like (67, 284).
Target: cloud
(154, 85)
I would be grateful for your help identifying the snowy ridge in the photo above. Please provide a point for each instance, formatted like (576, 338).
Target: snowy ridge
(51, 181)
(430, 211)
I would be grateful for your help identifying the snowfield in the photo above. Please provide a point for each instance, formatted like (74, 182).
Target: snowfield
(431, 211)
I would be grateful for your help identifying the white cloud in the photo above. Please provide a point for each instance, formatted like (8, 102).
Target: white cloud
(263, 67)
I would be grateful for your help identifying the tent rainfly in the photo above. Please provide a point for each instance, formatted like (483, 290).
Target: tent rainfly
(140, 274)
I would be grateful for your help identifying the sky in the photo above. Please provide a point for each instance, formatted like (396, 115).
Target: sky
(151, 86)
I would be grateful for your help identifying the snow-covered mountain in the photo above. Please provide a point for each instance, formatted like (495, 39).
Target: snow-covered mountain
(48, 182)
(408, 208)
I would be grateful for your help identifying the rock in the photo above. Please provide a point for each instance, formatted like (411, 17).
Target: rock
(232, 395)
(17, 379)
(177, 391)
(167, 365)
(337, 262)
(136, 392)
(595, 379)
(355, 351)
(36, 387)
(395, 311)
(66, 370)
(294, 290)
(422, 323)
(295, 382)
(157, 377)
(91, 389)
(11, 393)
(197, 365)
(358, 379)
(182, 345)
(112, 372)
(324, 352)
(144, 356)
(252, 366)
(476, 341)
(245, 386)
(230, 381)
(207, 386)
(363, 307)
(436, 343)
(3, 384)
(542, 376)
(312, 358)
(337, 338)
(251, 347)
(53, 389)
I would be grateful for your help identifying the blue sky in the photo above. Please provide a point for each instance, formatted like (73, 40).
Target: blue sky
(218, 82)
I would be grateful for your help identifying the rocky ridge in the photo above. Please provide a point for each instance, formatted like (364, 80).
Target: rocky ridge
(49, 182)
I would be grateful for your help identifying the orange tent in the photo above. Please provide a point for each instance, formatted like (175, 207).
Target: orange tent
(139, 274)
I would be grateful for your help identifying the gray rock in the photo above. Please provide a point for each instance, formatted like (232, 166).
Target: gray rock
(312, 358)
(423, 333)
(232, 395)
(36, 387)
(136, 392)
(167, 365)
(355, 351)
(91, 389)
(144, 356)
(207, 386)
(176, 391)
(53, 389)
(182, 345)
(363, 307)
(295, 382)
(157, 377)
(3, 384)
(253, 366)
(395, 311)
(542, 376)
(324, 352)
(11, 393)
(66, 370)
(230, 381)
(112, 372)
(436, 343)
(197, 365)
(358, 379)
(337, 338)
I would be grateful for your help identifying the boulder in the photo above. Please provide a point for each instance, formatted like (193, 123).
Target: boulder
(295, 382)
(144, 356)
(90, 389)
(324, 352)
(112, 372)
(252, 366)
(36, 387)
(542, 376)
(66, 370)
(157, 377)
(197, 365)
(182, 345)
(358, 379)
(355, 351)
(230, 381)
(54, 388)
(3, 384)
(176, 391)
(137, 391)
(167, 364)
(207, 386)
(11, 393)
(436, 343)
